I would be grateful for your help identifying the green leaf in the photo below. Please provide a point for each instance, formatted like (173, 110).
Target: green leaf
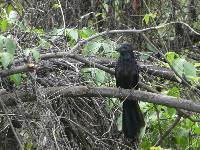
(197, 130)
(99, 76)
(16, 78)
(73, 33)
(56, 6)
(178, 65)
(108, 48)
(35, 52)
(36, 55)
(149, 16)
(174, 92)
(91, 48)
(1, 42)
(171, 111)
(182, 141)
(56, 33)
(189, 69)
(170, 56)
(10, 46)
(4, 25)
(29, 146)
(86, 33)
(9, 8)
(6, 59)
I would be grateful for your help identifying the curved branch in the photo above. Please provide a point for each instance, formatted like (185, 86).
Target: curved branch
(83, 91)
(164, 73)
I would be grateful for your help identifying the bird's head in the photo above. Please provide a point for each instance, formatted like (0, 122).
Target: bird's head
(125, 49)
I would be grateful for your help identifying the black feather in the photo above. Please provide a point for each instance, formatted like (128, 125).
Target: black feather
(127, 77)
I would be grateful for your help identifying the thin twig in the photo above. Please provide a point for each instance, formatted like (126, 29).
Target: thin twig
(176, 121)
(11, 125)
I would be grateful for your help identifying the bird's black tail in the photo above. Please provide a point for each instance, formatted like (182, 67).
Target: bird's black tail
(132, 119)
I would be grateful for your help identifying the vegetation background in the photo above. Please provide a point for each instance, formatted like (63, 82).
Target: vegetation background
(56, 56)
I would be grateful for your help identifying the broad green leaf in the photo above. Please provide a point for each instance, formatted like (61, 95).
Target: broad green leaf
(146, 18)
(178, 65)
(170, 56)
(56, 33)
(16, 78)
(107, 47)
(86, 33)
(174, 92)
(99, 76)
(6, 59)
(91, 48)
(4, 25)
(182, 140)
(171, 111)
(188, 124)
(197, 129)
(1, 42)
(36, 55)
(73, 33)
(189, 69)
(10, 46)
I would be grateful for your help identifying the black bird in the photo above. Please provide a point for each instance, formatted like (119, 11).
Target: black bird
(127, 76)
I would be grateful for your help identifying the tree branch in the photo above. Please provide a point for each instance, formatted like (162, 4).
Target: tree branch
(164, 73)
(83, 91)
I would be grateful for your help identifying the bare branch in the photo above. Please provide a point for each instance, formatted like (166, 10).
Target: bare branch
(83, 91)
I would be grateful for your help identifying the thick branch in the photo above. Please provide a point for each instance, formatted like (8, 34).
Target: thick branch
(83, 91)
(19, 69)
(164, 73)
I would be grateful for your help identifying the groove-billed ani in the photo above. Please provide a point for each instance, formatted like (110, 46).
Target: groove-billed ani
(127, 76)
